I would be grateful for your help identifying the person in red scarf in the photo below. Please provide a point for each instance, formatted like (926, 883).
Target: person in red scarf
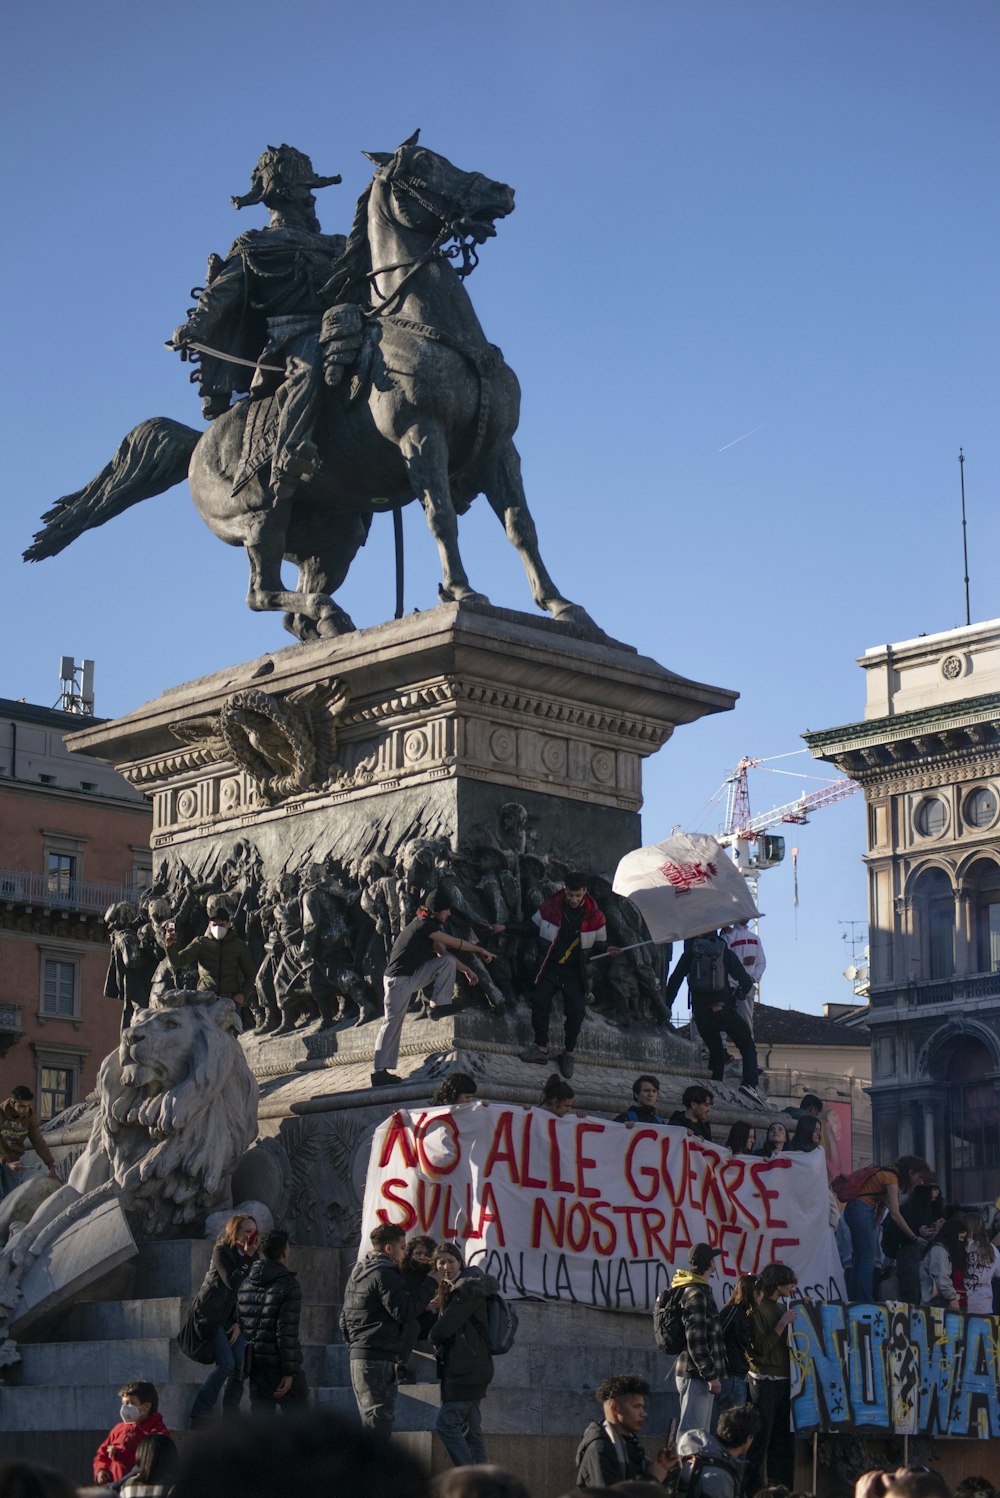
(574, 930)
(140, 1416)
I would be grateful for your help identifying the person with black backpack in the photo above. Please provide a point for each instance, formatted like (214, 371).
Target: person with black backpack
(713, 1466)
(465, 1363)
(708, 965)
(701, 1361)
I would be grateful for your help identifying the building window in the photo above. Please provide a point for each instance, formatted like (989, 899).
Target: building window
(59, 987)
(932, 817)
(933, 931)
(55, 1090)
(983, 882)
(981, 807)
(60, 869)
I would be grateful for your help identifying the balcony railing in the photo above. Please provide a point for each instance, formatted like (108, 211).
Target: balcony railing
(55, 891)
(937, 991)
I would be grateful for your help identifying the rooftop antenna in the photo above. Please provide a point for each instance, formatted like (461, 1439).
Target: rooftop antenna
(76, 686)
(965, 543)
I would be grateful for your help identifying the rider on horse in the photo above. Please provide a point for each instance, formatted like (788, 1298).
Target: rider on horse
(263, 305)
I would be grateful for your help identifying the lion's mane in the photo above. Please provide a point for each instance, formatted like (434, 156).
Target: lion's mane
(177, 1110)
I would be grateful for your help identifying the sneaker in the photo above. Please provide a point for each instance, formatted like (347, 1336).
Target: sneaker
(752, 1094)
(384, 1079)
(566, 1065)
(441, 1011)
(534, 1053)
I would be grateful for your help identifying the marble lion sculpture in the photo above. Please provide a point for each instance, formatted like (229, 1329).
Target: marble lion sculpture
(177, 1110)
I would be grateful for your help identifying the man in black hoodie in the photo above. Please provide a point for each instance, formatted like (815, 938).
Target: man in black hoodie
(611, 1451)
(270, 1301)
(378, 1305)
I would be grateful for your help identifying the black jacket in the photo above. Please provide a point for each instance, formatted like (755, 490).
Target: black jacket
(378, 1304)
(465, 1363)
(270, 1300)
(597, 1461)
(736, 1327)
(215, 1303)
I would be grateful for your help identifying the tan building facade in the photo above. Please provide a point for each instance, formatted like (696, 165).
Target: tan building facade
(927, 755)
(74, 838)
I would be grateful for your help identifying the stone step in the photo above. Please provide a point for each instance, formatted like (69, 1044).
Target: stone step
(177, 1267)
(530, 1364)
(101, 1320)
(111, 1363)
(514, 1411)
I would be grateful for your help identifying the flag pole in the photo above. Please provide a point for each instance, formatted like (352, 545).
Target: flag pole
(965, 543)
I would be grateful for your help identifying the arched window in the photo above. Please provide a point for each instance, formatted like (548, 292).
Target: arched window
(983, 883)
(934, 925)
(973, 1122)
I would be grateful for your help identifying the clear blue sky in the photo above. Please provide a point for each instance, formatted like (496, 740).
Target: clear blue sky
(729, 216)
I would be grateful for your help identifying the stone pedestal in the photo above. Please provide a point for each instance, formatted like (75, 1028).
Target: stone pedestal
(426, 726)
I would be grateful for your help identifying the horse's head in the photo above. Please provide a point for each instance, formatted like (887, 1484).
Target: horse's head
(429, 194)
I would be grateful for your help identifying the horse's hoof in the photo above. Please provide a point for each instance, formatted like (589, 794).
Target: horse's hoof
(572, 613)
(332, 625)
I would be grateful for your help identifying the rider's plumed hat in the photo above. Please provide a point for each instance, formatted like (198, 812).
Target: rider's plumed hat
(278, 170)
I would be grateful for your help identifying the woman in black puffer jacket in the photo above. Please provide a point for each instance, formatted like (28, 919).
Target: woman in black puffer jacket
(214, 1309)
(465, 1364)
(270, 1305)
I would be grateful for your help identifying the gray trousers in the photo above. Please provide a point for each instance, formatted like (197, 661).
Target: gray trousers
(374, 1385)
(440, 972)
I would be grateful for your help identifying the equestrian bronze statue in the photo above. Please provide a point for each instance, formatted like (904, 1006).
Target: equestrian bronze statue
(362, 381)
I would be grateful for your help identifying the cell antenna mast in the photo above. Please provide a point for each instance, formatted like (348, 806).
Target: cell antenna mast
(965, 543)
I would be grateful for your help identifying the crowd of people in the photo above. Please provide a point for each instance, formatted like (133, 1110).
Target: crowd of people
(319, 1452)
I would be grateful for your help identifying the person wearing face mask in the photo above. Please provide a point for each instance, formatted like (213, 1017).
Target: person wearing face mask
(139, 1416)
(224, 963)
(214, 1312)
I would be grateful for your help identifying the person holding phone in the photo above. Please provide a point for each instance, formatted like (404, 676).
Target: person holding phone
(215, 1310)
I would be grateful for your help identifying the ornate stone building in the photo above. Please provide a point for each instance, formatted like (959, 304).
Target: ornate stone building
(74, 838)
(928, 757)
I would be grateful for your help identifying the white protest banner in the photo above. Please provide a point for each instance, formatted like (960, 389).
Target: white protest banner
(592, 1212)
(684, 886)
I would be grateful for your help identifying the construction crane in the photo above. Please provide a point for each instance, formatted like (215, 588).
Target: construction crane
(754, 847)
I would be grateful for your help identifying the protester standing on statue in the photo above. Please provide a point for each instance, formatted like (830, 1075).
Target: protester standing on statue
(700, 1367)
(225, 965)
(19, 1127)
(379, 1305)
(270, 1304)
(611, 1451)
(420, 959)
(709, 965)
(773, 1449)
(574, 930)
(465, 1363)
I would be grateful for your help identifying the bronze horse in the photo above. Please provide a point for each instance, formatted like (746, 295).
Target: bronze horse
(433, 419)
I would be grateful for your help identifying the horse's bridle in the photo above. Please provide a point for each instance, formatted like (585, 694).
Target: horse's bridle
(454, 226)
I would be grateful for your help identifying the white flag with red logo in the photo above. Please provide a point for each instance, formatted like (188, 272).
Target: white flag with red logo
(684, 887)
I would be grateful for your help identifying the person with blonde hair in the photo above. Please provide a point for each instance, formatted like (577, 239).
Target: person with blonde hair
(214, 1316)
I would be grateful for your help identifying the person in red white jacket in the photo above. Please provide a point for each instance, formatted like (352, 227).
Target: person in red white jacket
(573, 928)
(140, 1416)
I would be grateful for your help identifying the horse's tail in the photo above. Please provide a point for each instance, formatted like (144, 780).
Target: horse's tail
(153, 458)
